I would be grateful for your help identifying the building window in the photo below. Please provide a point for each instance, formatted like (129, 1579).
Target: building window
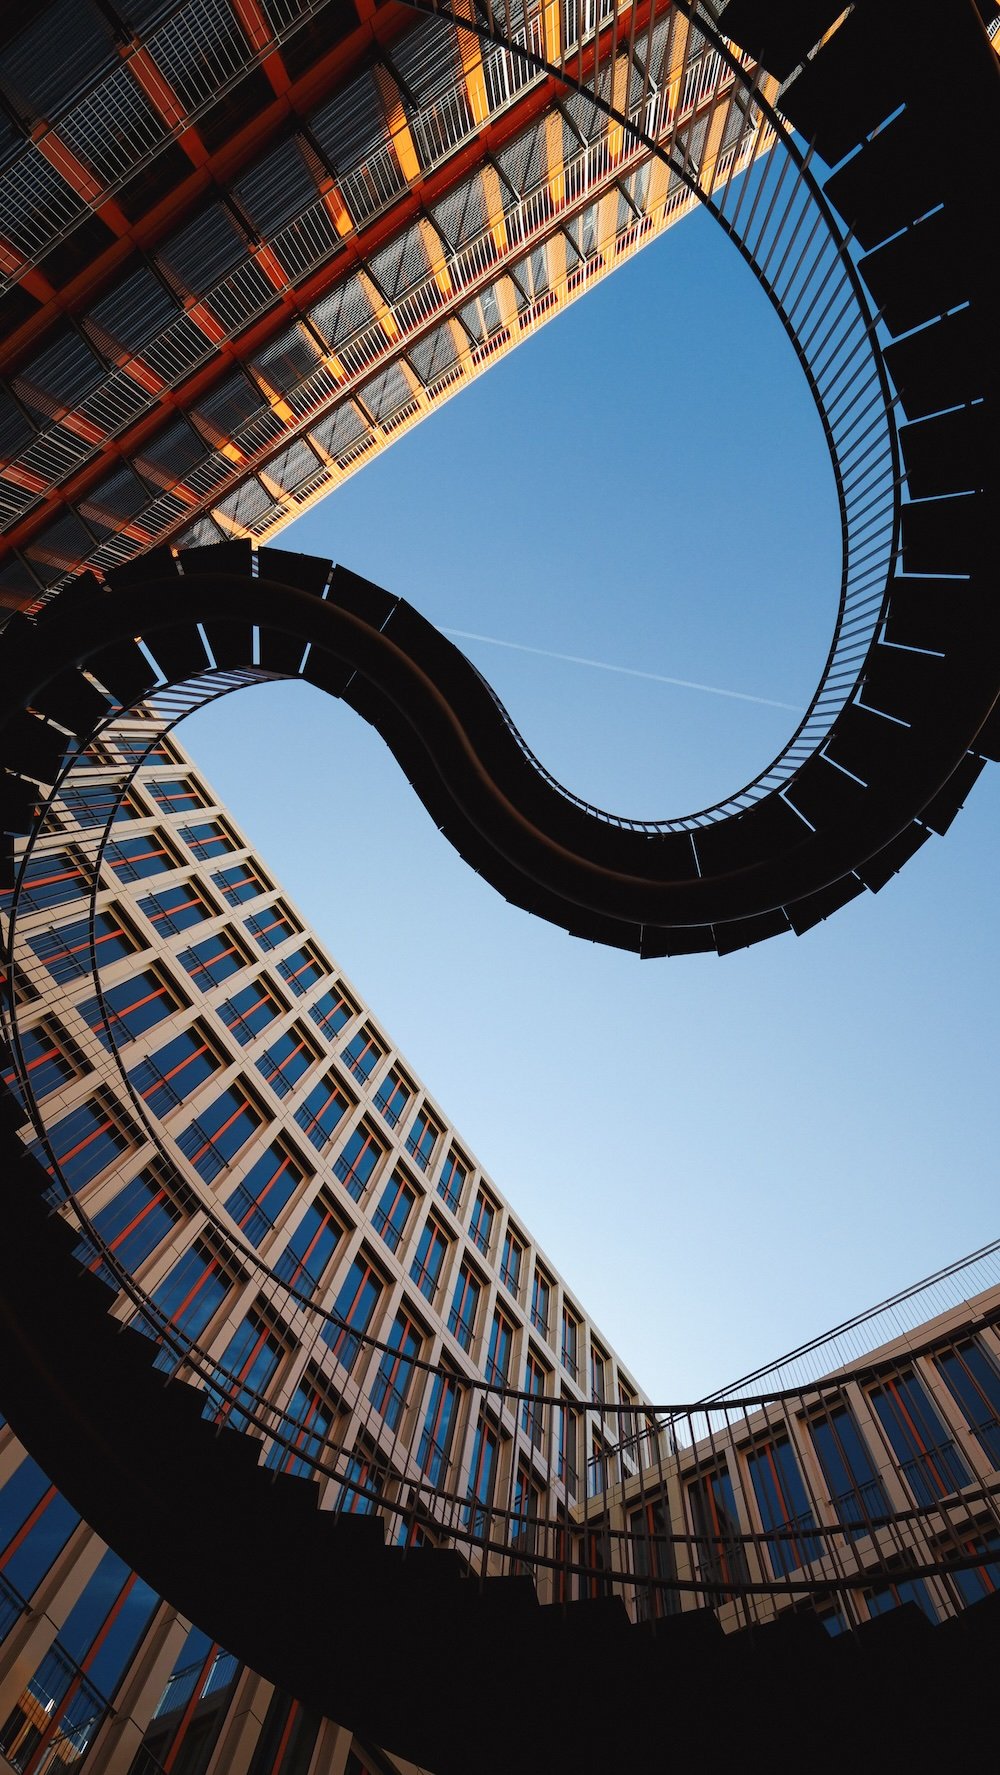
(425, 1270)
(359, 1493)
(395, 1371)
(210, 839)
(310, 1250)
(48, 881)
(855, 1490)
(652, 1559)
(311, 1415)
(86, 1142)
(392, 1097)
(248, 1366)
(511, 1259)
(357, 1160)
(175, 909)
(94, 804)
(300, 971)
(526, 1516)
(321, 1111)
(928, 1459)
(783, 1506)
(272, 927)
(598, 1375)
(452, 1180)
(35, 1524)
(353, 1307)
(136, 1221)
(422, 1139)
(238, 883)
(597, 1469)
(144, 749)
(362, 1054)
(134, 858)
(501, 1345)
(975, 1582)
(890, 1596)
(566, 1448)
(213, 960)
(532, 1414)
(44, 1062)
(66, 952)
(465, 1307)
(541, 1300)
(212, 1142)
(483, 1217)
(191, 1710)
(716, 1525)
(482, 1476)
(79, 1671)
(393, 1211)
(332, 1011)
(287, 1061)
(174, 1073)
(174, 795)
(570, 1351)
(266, 1189)
(250, 1011)
(435, 1438)
(134, 1006)
(287, 1738)
(974, 1383)
(189, 1296)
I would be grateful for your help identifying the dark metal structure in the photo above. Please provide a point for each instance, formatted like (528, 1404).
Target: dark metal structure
(915, 725)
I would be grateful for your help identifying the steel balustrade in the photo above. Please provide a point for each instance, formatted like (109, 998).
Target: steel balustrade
(378, 1454)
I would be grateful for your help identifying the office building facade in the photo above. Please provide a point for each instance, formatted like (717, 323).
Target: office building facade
(247, 1143)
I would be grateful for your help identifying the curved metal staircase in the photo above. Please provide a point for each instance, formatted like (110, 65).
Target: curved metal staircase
(413, 1645)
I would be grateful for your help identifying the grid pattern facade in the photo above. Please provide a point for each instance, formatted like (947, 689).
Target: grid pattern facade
(205, 336)
(281, 1099)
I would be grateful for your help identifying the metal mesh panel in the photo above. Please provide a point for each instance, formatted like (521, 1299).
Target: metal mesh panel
(524, 160)
(352, 126)
(134, 311)
(401, 264)
(201, 531)
(15, 426)
(114, 500)
(277, 188)
(248, 502)
(462, 213)
(61, 53)
(385, 393)
(174, 451)
(292, 466)
(205, 250)
(287, 359)
(113, 127)
(61, 375)
(200, 50)
(229, 405)
(432, 356)
(35, 203)
(341, 312)
(59, 546)
(339, 429)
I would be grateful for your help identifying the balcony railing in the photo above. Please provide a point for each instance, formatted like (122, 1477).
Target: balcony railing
(667, 1469)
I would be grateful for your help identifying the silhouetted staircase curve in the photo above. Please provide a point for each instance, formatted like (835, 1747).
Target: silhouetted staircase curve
(455, 1674)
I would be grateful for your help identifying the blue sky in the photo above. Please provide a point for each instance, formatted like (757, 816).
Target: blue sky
(722, 1156)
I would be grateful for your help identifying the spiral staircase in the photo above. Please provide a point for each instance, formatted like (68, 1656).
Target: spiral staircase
(414, 1646)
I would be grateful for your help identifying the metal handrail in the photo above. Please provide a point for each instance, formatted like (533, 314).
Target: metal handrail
(421, 1478)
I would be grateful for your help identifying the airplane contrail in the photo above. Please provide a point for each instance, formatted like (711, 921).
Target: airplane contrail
(603, 665)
